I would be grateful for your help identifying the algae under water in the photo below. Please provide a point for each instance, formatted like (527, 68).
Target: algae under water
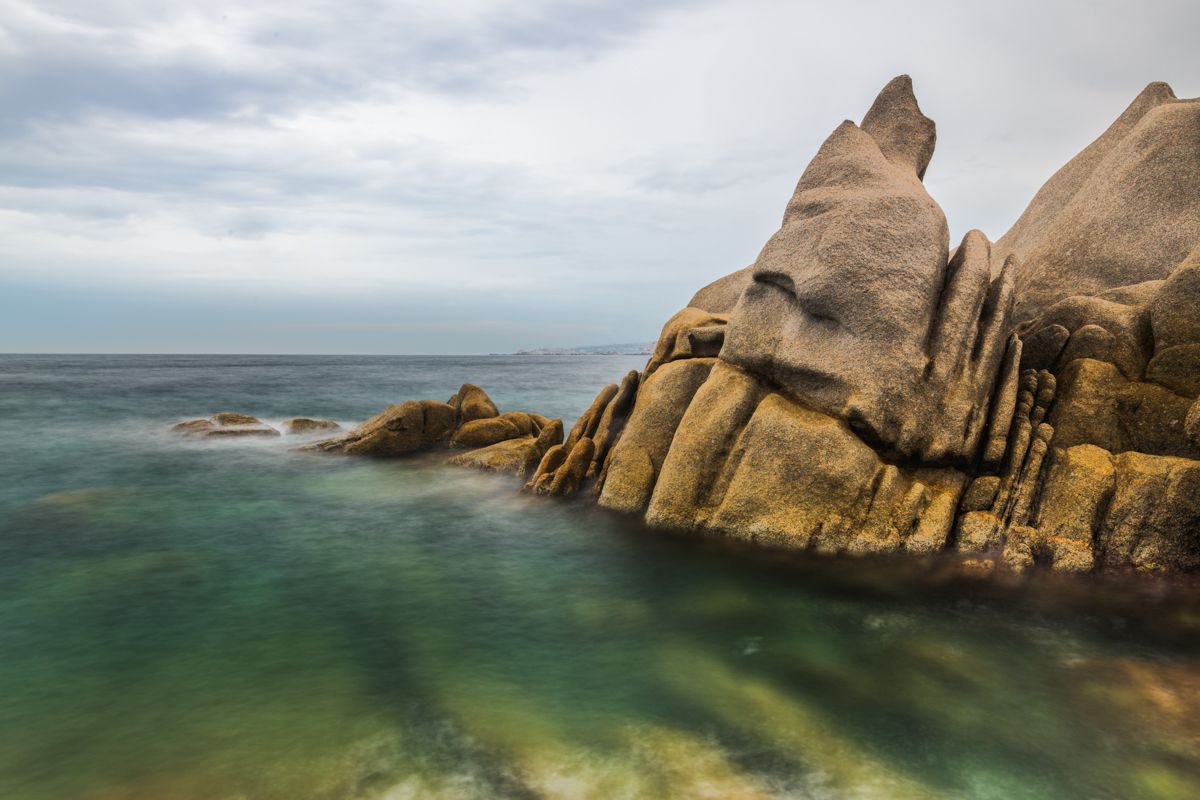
(232, 619)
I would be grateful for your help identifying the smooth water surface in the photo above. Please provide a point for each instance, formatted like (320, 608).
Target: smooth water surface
(232, 619)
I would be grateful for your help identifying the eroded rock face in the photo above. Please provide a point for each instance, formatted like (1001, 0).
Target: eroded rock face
(854, 309)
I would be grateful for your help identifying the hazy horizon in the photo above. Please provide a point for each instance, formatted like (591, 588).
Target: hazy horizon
(359, 178)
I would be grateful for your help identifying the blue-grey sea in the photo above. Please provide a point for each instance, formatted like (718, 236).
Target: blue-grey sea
(230, 620)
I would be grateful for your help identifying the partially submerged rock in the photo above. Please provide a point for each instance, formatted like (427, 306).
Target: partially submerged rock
(511, 442)
(409, 427)
(519, 455)
(302, 425)
(225, 424)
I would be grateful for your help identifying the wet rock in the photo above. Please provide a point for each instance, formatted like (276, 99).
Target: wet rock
(612, 421)
(234, 418)
(550, 435)
(639, 453)
(300, 425)
(409, 427)
(474, 403)
(589, 421)
(485, 432)
(978, 532)
(225, 424)
(1153, 519)
(568, 478)
(1078, 487)
(193, 427)
(543, 475)
(504, 456)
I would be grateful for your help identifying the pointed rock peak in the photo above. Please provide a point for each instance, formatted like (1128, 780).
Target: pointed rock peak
(1157, 92)
(904, 135)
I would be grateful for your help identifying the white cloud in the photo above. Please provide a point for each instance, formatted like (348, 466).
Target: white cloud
(607, 156)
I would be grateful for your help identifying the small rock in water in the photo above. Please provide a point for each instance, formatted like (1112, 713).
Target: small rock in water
(307, 425)
(226, 423)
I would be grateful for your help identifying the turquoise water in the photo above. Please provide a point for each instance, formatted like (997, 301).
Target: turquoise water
(183, 619)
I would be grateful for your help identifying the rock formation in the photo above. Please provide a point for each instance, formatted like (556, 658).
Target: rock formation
(511, 442)
(862, 389)
(225, 424)
(302, 425)
(1125, 210)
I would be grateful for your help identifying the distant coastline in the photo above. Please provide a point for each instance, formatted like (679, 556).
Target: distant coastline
(627, 349)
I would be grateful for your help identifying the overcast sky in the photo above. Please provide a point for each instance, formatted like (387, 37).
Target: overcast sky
(414, 177)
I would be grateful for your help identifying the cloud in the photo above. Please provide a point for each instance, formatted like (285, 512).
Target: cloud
(570, 170)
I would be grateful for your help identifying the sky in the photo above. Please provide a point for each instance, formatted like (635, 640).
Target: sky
(361, 176)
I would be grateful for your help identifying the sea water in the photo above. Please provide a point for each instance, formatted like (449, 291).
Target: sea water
(235, 619)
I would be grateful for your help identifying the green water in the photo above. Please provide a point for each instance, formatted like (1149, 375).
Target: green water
(236, 620)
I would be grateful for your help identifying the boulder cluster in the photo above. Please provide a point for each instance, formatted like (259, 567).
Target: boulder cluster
(514, 441)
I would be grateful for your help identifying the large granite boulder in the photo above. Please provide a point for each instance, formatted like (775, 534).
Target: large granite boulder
(409, 427)
(854, 308)
(638, 455)
(519, 455)
(749, 462)
(473, 403)
(1125, 210)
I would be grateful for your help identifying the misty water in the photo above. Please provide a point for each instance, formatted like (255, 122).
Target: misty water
(233, 619)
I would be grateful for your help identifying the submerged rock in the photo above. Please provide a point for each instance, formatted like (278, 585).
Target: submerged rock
(225, 424)
(299, 425)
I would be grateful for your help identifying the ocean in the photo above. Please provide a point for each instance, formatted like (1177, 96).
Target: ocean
(234, 619)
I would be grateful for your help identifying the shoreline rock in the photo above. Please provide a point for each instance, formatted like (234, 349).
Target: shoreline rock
(514, 441)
